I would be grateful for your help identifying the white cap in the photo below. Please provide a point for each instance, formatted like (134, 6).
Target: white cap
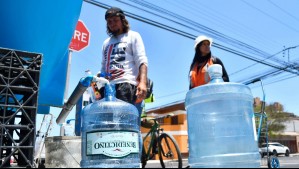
(202, 38)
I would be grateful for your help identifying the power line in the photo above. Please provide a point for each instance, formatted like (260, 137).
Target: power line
(277, 20)
(245, 83)
(276, 81)
(190, 36)
(256, 60)
(211, 32)
(145, 20)
(285, 11)
(280, 80)
(199, 9)
(265, 75)
(263, 60)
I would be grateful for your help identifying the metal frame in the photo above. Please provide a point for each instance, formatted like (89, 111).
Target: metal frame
(19, 87)
(272, 161)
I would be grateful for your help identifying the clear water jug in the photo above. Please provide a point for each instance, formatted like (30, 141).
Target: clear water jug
(220, 125)
(110, 133)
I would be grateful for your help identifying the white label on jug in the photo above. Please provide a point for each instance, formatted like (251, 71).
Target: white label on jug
(112, 143)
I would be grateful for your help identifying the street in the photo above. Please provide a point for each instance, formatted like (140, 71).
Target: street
(285, 162)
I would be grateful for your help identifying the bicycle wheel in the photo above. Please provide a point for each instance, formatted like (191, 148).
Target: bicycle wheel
(143, 157)
(273, 162)
(169, 152)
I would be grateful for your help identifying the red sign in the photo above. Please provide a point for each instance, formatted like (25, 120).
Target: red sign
(80, 38)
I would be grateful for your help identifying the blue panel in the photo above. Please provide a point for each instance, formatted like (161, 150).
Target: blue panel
(46, 27)
(43, 109)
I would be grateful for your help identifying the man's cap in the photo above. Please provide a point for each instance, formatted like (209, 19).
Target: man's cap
(202, 38)
(114, 11)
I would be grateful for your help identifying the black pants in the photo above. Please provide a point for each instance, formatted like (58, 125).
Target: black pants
(124, 91)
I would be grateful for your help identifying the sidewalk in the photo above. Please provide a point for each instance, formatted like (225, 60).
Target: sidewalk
(294, 155)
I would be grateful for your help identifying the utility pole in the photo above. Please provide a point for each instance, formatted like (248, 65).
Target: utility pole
(288, 49)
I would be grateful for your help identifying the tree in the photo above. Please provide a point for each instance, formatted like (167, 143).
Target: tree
(276, 116)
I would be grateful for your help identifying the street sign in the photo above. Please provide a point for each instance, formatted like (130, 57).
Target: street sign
(80, 38)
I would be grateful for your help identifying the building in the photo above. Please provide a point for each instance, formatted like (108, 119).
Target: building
(175, 125)
(290, 136)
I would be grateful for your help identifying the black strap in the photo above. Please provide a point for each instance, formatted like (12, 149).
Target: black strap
(150, 86)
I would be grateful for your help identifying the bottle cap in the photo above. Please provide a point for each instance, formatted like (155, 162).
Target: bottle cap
(215, 70)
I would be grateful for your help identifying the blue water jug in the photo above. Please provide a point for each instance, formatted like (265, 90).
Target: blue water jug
(110, 133)
(221, 127)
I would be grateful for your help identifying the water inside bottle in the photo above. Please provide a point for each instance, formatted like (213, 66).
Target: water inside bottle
(110, 134)
(220, 128)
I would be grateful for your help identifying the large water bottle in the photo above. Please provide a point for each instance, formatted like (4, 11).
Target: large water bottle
(220, 125)
(110, 133)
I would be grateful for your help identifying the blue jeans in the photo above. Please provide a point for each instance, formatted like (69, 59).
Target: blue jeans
(140, 107)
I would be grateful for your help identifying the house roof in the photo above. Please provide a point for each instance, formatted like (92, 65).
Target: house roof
(290, 133)
(171, 107)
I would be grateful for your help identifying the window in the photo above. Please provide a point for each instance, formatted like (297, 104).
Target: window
(160, 120)
(174, 120)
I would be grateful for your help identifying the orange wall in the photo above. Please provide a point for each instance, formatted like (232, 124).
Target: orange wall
(182, 140)
(182, 143)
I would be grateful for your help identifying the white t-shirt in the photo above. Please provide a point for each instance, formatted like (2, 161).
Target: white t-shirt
(122, 57)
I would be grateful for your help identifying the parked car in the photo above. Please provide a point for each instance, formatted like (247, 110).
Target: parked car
(274, 148)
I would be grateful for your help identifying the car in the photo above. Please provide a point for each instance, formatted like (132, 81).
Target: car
(274, 148)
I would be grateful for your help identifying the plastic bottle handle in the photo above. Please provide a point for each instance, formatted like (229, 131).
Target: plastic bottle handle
(100, 80)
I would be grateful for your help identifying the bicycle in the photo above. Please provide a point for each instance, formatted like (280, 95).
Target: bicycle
(156, 142)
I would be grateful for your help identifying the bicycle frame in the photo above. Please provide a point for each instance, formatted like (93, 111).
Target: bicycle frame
(161, 144)
(154, 133)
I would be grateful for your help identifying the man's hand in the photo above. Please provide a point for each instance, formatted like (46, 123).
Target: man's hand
(142, 86)
(141, 91)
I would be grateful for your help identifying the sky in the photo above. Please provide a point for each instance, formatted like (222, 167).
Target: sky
(259, 30)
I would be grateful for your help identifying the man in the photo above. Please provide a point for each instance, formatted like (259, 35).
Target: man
(124, 58)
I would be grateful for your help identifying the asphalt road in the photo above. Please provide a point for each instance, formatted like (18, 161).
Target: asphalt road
(285, 162)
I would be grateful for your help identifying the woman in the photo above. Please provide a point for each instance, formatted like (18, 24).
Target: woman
(203, 58)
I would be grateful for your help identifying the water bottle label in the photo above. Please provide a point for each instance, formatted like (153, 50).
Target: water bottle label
(112, 143)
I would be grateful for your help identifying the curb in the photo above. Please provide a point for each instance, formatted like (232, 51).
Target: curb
(294, 155)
